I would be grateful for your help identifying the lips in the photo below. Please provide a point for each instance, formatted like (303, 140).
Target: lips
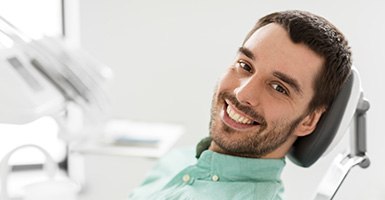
(236, 119)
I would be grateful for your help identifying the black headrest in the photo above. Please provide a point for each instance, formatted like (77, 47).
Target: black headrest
(308, 149)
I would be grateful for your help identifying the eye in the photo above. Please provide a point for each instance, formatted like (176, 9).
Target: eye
(245, 66)
(279, 88)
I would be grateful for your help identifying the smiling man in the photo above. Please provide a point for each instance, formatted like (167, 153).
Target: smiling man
(285, 75)
(261, 105)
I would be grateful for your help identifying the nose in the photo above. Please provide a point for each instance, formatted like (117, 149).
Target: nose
(248, 92)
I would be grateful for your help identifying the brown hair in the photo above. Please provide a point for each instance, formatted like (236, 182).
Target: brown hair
(323, 38)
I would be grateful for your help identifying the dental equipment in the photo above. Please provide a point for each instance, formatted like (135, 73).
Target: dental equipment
(45, 77)
(54, 187)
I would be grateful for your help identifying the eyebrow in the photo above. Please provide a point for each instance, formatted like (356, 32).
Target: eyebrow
(246, 52)
(289, 80)
(284, 77)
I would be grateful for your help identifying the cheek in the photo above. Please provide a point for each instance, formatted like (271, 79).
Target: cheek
(229, 81)
(275, 112)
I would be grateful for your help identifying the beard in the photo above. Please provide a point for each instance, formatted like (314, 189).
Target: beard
(263, 140)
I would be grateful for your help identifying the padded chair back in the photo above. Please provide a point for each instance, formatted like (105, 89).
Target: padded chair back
(331, 127)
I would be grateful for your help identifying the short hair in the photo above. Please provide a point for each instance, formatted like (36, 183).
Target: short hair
(325, 40)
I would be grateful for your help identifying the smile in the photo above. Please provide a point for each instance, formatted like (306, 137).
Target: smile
(236, 119)
(239, 118)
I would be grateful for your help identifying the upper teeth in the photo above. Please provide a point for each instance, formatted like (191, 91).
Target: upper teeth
(236, 117)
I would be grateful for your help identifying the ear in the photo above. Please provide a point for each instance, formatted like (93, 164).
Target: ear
(309, 122)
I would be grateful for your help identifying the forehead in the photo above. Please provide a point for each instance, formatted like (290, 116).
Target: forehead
(274, 51)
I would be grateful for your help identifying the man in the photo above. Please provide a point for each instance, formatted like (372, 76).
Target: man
(285, 75)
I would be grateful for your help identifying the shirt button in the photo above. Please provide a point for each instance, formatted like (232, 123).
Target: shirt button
(186, 178)
(215, 178)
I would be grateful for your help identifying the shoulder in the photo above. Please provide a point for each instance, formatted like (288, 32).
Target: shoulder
(173, 162)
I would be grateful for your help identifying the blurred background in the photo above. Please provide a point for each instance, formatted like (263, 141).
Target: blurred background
(167, 57)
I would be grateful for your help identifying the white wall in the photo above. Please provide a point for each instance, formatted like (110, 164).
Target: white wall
(168, 55)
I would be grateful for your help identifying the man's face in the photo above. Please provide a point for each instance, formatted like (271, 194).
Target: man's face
(260, 105)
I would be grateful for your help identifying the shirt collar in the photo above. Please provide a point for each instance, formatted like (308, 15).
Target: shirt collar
(234, 168)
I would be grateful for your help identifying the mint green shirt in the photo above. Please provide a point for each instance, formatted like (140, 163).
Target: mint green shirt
(212, 176)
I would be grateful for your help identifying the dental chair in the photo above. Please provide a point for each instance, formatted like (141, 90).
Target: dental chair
(348, 111)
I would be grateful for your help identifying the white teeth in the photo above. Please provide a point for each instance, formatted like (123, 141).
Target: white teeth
(236, 117)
